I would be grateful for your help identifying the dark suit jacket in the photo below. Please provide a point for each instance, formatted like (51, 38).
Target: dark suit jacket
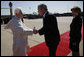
(75, 29)
(50, 30)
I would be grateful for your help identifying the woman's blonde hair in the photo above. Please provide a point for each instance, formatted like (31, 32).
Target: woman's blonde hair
(76, 9)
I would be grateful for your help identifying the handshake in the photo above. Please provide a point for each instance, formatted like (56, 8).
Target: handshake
(35, 31)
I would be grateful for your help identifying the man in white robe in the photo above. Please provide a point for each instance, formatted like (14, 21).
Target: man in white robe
(20, 33)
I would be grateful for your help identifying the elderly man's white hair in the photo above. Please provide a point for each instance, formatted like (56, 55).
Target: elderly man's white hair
(17, 10)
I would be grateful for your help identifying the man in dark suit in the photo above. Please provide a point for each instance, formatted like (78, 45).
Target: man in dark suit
(49, 29)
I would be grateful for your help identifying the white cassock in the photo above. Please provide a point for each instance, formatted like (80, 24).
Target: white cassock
(20, 36)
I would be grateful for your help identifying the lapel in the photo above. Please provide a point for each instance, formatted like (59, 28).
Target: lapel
(45, 18)
(46, 14)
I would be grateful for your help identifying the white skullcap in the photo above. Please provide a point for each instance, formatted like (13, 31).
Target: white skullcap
(17, 10)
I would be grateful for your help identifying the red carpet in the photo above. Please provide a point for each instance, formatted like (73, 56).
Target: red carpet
(62, 50)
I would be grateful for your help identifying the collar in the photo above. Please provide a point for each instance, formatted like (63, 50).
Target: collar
(44, 14)
(17, 18)
(76, 16)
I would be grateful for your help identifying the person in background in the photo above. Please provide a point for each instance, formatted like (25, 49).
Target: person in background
(75, 31)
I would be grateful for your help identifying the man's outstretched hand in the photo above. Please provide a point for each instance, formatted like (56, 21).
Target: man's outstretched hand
(35, 31)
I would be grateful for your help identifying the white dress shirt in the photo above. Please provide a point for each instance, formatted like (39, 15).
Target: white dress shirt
(44, 14)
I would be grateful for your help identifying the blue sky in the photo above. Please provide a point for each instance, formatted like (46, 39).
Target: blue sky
(28, 7)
